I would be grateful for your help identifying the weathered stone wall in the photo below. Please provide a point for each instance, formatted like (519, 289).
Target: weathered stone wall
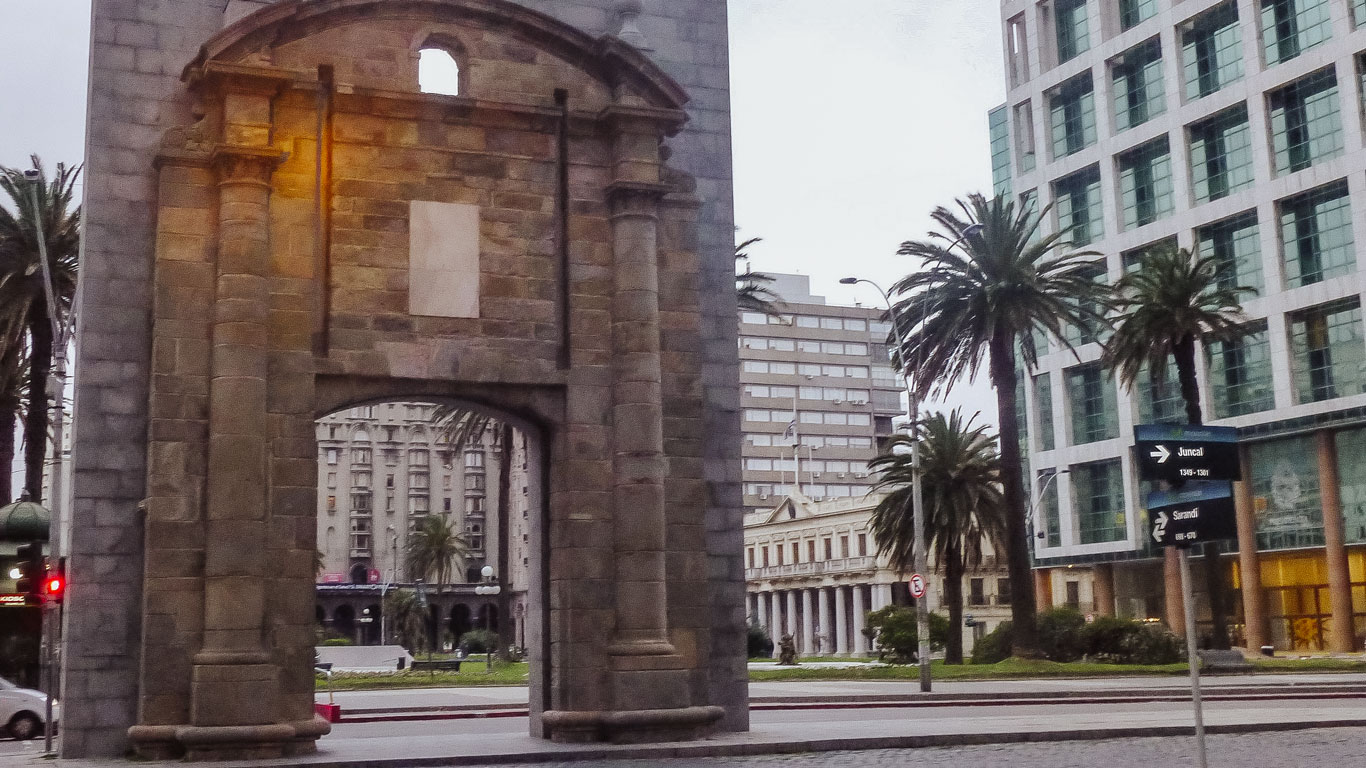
(140, 49)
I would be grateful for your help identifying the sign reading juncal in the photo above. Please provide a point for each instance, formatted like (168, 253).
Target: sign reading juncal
(1179, 453)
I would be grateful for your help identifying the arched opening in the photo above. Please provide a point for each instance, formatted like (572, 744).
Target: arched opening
(371, 621)
(438, 72)
(460, 621)
(360, 573)
(344, 622)
(488, 617)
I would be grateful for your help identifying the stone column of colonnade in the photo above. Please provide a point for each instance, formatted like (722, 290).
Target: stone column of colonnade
(859, 643)
(1103, 589)
(1043, 589)
(824, 625)
(1171, 580)
(775, 623)
(841, 623)
(761, 610)
(233, 665)
(790, 626)
(1342, 637)
(808, 639)
(1249, 562)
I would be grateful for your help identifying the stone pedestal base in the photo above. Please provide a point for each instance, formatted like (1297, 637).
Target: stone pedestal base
(632, 727)
(232, 742)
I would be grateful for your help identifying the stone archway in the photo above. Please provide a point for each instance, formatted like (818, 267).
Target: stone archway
(327, 235)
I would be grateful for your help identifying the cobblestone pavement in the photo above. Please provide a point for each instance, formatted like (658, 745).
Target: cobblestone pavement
(1288, 749)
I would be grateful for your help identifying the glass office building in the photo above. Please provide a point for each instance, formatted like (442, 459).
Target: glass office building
(1234, 129)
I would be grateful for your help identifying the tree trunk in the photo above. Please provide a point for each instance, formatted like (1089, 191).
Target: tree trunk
(10, 397)
(1025, 633)
(953, 596)
(505, 620)
(1184, 352)
(35, 425)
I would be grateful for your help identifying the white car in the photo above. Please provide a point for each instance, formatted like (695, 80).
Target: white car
(21, 710)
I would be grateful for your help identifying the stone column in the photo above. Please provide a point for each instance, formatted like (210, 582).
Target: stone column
(1171, 580)
(808, 645)
(234, 683)
(1249, 563)
(1043, 589)
(841, 624)
(639, 464)
(1342, 638)
(775, 624)
(791, 625)
(824, 622)
(859, 646)
(882, 595)
(761, 611)
(1103, 588)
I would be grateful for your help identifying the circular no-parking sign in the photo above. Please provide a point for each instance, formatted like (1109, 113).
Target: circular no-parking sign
(917, 586)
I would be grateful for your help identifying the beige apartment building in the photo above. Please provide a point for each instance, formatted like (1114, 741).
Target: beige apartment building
(816, 377)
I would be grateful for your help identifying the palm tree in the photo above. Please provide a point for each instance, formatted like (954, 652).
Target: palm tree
(406, 619)
(22, 294)
(979, 304)
(1172, 303)
(13, 366)
(752, 293)
(964, 506)
(433, 549)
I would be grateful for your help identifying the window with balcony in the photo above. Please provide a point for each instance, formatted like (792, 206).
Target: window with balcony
(1135, 12)
(1078, 201)
(1235, 244)
(1072, 115)
(360, 479)
(1240, 373)
(360, 455)
(998, 125)
(360, 503)
(1212, 50)
(1291, 27)
(1098, 496)
(1136, 77)
(977, 591)
(1003, 591)
(1043, 410)
(1316, 235)
(1145, 183)
(1221, 154)
(1306, 127)
(1095, 414)
(1048, 503)
(1328, 351)
(1071, 28)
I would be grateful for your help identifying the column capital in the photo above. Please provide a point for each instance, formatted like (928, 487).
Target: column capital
(245, 165)
(636, 198)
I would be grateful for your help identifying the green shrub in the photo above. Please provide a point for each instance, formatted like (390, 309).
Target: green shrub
(760, 644)
(335, 641)
(1060, 634)
(994, 646)
(894, 630)
(1153, 644)
(479, 641)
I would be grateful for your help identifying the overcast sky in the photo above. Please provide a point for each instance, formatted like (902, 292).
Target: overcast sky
(852, 121)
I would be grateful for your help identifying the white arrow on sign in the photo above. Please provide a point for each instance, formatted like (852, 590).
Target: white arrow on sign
(1161, 454)
(1160, 527)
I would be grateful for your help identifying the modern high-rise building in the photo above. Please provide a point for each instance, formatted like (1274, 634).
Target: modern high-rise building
(1233, 128)
(816, 376)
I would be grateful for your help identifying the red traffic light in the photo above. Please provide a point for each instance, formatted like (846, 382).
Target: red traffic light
(54, 586)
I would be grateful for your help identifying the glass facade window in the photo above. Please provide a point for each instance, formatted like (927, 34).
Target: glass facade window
(1072, 115)
(1133, 259)
(1160, 402)
(999, 125)
(1316, 235)
(1290, 27)
(1212, 50)
(1137, 85)
(1098, 497)
(1072, 28)
(1236, 245)
(1091, 397)
(1351, 446)
(1359, 12)
(1285, 493)
(1305, 124)
(1328, 351)
(1145, 183)
(1087, 332)
(1048, 503)
(1078, 202)
(1240, 374)
(1221, 154)
(1135, 12)
(1043, 410)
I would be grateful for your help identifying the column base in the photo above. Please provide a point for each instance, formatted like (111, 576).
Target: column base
(229, 742)
(643, 726)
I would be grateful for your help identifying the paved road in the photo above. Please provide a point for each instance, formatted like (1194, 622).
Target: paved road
(1296, 749)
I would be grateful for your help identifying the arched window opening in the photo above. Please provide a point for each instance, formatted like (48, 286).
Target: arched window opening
(437, 72)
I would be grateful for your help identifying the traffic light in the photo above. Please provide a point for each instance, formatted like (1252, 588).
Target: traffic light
(54, 584)
(32, 570)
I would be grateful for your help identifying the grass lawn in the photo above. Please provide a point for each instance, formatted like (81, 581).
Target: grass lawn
(473, 674)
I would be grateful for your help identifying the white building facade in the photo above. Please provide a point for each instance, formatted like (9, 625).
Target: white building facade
(1231, 128)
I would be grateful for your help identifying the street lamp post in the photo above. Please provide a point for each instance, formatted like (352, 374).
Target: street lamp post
(491, 589)
(56, 389)
(922, 608)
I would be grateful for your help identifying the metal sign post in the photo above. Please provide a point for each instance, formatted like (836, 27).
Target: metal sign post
(1191, 657)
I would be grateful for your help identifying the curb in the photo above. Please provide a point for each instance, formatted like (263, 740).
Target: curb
(695, 750)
